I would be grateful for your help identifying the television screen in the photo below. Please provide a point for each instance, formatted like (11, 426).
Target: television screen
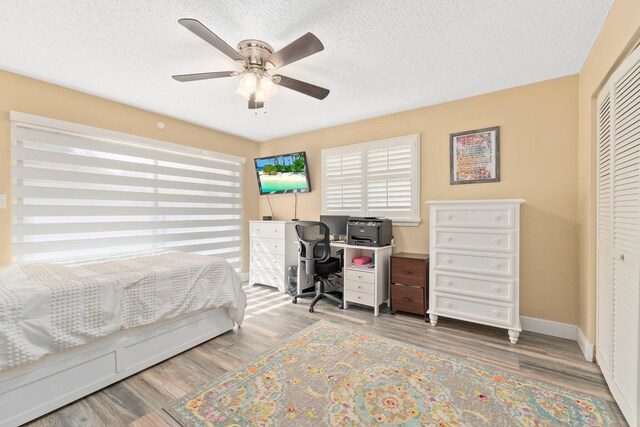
(286, 173)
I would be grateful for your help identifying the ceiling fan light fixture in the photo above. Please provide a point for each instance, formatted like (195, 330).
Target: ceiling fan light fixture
(248, 82)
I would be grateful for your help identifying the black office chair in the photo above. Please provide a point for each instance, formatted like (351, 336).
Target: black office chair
(315, 258)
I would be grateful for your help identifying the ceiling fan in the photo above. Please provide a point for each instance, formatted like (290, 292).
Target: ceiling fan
(257, 84)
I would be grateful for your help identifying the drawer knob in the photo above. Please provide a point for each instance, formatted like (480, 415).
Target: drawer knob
(275, 246)
(448, 282)
(497, 241)
(449, 261)
(359, 297)
(449, 239)
(359, 286)
(275, 230)
(448, 305)
(257, 229)
(407, 299)
(408, 273)
(496, 288)
(621, 257)
(449, 216)
(496, 264)
(496, 313)
(498, 217)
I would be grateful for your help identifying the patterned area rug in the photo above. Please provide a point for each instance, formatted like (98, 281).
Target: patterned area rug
(330, 375)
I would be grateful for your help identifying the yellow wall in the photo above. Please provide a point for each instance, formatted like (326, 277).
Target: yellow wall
(620, 33)
(538, 150)
(27, 95)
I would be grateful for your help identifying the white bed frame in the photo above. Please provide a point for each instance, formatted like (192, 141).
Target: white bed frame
(38, 388)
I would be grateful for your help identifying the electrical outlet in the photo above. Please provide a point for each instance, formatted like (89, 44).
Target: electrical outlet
(3, 201)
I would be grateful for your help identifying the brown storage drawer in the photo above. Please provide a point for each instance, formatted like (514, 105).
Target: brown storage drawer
(408, 298)
(408, 271)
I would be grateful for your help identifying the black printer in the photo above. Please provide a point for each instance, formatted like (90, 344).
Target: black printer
(369, 231)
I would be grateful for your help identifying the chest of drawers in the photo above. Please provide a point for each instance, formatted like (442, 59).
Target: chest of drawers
(273, 248)
(409, 283)
(474, 269)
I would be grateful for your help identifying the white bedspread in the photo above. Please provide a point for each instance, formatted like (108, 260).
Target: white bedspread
(51, 307)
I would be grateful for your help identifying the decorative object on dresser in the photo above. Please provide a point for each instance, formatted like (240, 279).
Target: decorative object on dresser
(475, 156)
(474, 269)
(409, 283)
(273, 248)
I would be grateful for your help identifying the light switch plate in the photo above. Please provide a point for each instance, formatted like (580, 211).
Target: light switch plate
(3, 201)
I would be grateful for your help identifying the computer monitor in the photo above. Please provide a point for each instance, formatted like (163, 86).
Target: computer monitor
(337, 225)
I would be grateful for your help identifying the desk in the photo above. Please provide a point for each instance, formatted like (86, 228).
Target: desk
(361, 284)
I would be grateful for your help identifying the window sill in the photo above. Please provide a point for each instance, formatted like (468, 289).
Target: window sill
(406, 222)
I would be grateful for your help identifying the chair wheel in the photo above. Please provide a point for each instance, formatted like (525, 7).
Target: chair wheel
(341, 306)
(295, 300)
(310, 309)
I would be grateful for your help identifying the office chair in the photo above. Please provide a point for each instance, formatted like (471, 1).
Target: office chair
(315, 258)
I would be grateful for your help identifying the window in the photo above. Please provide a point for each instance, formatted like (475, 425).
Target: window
(379, 178)
(80, 191)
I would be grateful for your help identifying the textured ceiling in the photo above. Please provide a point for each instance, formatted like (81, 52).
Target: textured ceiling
(380, 56)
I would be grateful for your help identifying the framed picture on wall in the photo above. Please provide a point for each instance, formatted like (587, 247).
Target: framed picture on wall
(475, 156)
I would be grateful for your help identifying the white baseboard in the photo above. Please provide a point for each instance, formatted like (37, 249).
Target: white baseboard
(244, 276)
(549, 327)
(586, 346)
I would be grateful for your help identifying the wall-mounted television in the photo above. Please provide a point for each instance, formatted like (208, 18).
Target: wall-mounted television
(285, 173)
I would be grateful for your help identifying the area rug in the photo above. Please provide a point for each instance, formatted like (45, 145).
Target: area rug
(336, 376)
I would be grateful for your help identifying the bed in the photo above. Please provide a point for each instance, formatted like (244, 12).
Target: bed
(69, 329)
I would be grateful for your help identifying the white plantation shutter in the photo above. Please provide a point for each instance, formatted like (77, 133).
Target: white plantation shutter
(81, 191)
(343, 172)
(391, 179)
(379, 178)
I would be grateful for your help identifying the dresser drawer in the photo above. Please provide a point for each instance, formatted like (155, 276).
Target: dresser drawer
(268, 230)
(483, 311)
(476, 216)
(502, 241)
(365, 288)
(474, 263)
(359, 275)
(267, 277)
(268, 246)
(408, 298)
(408, 271)
(359, 297)
(496, 289)
(268, 262)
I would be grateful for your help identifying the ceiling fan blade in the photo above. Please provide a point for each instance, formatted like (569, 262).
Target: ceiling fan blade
(300, 86)
(253, 105)
(197, 28)
(296, 50)
(203, 76)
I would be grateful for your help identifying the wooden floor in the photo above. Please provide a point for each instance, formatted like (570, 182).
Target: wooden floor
(272, 318)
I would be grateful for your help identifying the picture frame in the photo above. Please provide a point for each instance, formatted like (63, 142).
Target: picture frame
(475, 156)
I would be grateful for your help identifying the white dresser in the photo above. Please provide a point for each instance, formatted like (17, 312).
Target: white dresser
(474, 268)
(273, 248)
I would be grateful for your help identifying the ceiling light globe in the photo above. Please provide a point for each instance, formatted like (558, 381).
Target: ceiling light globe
(266, 84)
(249, 82)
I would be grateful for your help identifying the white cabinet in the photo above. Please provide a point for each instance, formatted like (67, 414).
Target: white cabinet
(474, 268)
(618, 235)
(363, 285)
(273, 248)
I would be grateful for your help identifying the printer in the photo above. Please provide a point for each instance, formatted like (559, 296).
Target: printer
(369, 231)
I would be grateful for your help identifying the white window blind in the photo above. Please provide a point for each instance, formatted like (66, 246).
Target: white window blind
(80, 191)
(342, 184)
(379, 178)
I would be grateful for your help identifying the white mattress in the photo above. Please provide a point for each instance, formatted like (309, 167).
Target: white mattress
(52, 307)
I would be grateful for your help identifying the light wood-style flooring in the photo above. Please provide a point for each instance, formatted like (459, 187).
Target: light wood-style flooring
(271, 318)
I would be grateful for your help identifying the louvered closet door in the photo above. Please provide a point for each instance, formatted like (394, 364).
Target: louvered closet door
(604, 257)
(626, 236)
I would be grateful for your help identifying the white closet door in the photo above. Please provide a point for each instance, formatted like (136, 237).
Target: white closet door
(604, 257)
(626, 235)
